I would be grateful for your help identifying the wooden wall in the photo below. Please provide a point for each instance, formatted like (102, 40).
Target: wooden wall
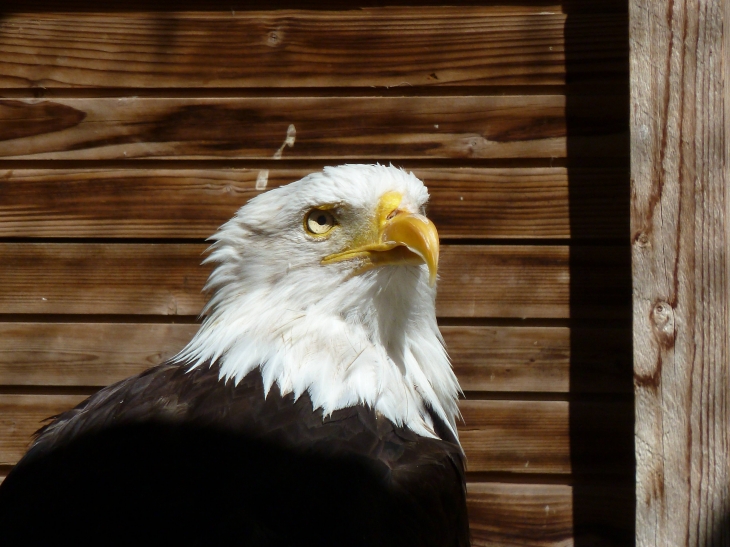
(127, 137)
(680, 232)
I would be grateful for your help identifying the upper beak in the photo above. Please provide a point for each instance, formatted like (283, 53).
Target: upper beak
(395, 238)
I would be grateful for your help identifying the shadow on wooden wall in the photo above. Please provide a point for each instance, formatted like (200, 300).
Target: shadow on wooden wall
(601, 368)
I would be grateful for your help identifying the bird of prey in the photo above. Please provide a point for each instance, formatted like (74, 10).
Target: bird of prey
(316, 405)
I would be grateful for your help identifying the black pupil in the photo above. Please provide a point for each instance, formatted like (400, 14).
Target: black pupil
(321, 220)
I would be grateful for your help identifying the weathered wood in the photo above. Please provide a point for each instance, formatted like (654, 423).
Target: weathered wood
(97, 278)
(551, 515)
(22, 415)
(533, 281)
(547, 436)
(680, 221)
(519, 359)
(151, 203)
(520, 515)
(85, 354)
(389, 47)
(540, 359)
(326, 128)
(476, 281)
(523, 437)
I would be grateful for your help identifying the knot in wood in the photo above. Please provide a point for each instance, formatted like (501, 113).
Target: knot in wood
(662, 319)
(274, 38)
(641, 240)
(172, 305)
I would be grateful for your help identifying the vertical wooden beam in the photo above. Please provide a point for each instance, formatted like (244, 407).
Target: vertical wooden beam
(680, 248)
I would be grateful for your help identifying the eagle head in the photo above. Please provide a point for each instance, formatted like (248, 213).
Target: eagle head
(328, 284)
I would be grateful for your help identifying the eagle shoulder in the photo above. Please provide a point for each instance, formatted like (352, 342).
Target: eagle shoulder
(188, 457)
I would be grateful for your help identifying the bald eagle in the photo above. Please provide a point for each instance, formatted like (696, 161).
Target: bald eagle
(316, 405)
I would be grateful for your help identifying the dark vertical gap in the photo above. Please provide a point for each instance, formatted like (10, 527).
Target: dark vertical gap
(597, 127)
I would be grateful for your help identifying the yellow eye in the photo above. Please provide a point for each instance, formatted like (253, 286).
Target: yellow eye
(318, 222)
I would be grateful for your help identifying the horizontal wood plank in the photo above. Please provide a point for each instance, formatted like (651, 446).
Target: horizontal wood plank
(541, 359)
(476, 281)
(97, 278)
(551, 515)
(150, 203)
(85, 354)
(523, 359)
(332, 128)
(521, 437)
(388, 47)
(22, 415)
(525, 437)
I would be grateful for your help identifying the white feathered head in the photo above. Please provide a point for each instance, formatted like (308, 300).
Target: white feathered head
(328, 285)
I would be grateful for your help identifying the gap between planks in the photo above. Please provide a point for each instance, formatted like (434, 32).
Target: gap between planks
(469, 396)
(141, 319)
(487, 242)
(302, 92)
(324, 92)
(310, 164)
(565, 479)
(475, 477)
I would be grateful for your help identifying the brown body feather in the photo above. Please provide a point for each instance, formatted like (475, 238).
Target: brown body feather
(172, 456)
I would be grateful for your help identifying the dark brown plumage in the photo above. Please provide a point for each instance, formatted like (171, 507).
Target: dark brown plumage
(175, 457)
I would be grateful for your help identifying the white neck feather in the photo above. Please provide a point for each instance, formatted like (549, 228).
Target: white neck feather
(371, 339)
(345, 339)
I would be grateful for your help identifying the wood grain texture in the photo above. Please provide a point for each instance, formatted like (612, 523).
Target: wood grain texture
(541, 359)
(167, 279)
(388, 47)
(679, 121)
(548, 515)
(332, 128)
(533, 281)
(22, 415)
(497, 359)
(97, 278)
(85, 354)
(193, 203)
(529, 437)
(522, 437)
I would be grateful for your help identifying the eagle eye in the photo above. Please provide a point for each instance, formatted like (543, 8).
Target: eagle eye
(319, 222)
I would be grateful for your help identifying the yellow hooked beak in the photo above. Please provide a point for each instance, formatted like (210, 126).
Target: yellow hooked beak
(394, 238)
